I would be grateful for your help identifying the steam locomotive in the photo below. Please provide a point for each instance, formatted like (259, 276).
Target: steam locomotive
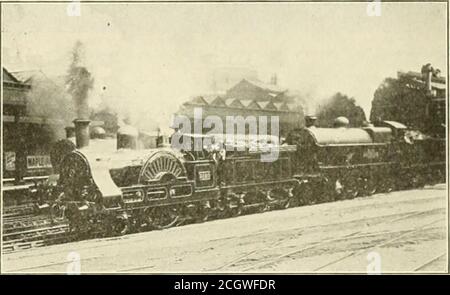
(128, 189)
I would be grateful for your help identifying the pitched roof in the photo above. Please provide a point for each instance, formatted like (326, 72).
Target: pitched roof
(9, 77)
(271, 88)
(236, 103)
(218, 101)
(28, 75)
(254, 105)
(278, 105)
(198, 100)
(268, 105)
(246, 102)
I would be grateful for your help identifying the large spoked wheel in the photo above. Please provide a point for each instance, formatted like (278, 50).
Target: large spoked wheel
(163, 217)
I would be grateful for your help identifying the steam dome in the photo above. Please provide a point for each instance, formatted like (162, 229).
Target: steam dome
(341, 122)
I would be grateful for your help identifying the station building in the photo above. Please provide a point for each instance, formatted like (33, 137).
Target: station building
(26, 139)
(248, 98)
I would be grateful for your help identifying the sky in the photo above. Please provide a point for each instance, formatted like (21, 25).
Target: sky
(149, 58)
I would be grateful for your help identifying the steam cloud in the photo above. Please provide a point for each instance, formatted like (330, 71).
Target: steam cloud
(79, 82)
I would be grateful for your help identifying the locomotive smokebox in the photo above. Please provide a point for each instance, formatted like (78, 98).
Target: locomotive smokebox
(310, 121)
(127, 137)
(81, 132)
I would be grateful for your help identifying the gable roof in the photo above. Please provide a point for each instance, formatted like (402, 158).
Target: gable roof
(9, 77)
(271, 88)
(268, 105)
(254, 105)
(218, 101)
(28, 75)
(246, 102)
(236, 103)
(199, 100)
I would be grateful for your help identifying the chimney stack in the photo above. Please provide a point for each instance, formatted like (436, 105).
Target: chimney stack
(81, 132)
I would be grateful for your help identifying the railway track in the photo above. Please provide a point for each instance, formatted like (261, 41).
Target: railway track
(24, 228)
(430, 262)
(39, 237)
(19, 210)
(354, 231)
(265, 256)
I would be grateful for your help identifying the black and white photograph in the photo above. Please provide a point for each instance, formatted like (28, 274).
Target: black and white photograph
(224, 138)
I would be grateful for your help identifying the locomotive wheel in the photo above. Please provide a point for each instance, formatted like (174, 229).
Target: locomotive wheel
(370, 187)
(236, 211)
(340, 191)
(234, 206)
(163, 217)
(288, 203)
(220, 209)
(388, 186)
(119, 227)
(202, 217)
(203, 214)
(289, 200)
(352, 191)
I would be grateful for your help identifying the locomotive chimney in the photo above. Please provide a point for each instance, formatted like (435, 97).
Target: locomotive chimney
(310, 121)
(81, 132)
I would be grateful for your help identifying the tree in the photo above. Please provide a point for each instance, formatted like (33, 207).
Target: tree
(340, 105)
(402, 100)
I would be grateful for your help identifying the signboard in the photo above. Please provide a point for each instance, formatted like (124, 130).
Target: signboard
(38, 162)
(10, 161)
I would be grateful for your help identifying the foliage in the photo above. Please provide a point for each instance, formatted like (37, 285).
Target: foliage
(400, 100)
(340, 105)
